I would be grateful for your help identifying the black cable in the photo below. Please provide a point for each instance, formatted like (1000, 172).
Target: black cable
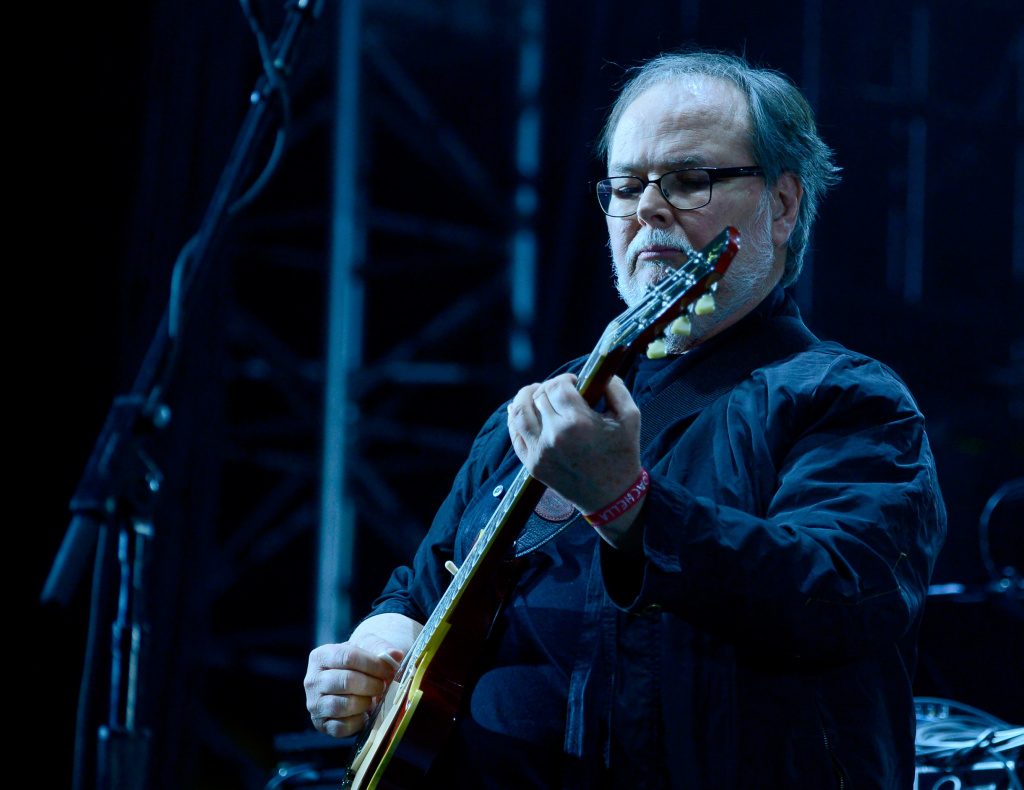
(1014, 489)
(272, 74)
(954, 735)
(276, 85)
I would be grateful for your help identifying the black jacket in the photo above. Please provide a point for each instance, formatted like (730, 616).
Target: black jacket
(768, 637)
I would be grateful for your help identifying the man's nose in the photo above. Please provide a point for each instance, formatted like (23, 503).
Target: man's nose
(652, 208)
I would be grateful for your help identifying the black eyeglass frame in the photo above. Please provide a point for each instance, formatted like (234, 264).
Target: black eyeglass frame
(714, 174)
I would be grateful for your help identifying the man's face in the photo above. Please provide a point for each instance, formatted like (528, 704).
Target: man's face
(694, 122)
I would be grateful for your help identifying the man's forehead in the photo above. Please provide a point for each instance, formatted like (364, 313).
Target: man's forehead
(688, 101)
(700, 89)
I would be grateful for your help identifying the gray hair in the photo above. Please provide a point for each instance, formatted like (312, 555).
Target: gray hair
(785, 136)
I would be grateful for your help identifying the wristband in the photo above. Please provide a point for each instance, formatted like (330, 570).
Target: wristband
(633, 496)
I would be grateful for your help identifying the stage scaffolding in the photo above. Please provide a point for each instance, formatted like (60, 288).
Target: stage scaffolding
(433, 260)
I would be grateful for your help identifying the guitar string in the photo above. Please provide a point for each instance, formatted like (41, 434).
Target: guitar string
(657, 301)
(666, 291)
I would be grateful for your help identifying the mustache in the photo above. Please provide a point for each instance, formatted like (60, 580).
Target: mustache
(647, 238)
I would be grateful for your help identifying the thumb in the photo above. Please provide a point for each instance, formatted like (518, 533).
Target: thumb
(383, 650)
(392, 656)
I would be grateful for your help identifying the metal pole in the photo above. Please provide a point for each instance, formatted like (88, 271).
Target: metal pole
(811, 84)
(917, 150)
(1018, 190)
(523, 252)
(344, 346)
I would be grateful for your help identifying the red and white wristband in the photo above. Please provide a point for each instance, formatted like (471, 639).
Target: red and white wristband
(634, 496)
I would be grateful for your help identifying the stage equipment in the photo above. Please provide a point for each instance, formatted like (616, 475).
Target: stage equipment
(121, 481)
(962, 748)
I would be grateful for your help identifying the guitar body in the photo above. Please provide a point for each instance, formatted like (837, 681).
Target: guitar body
(412, 721)
(418, 711)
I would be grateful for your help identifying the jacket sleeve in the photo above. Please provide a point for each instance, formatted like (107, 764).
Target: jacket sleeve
(802, 516)
(415, 590)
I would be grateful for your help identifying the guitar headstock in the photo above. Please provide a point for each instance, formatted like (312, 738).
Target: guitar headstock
(684, 290)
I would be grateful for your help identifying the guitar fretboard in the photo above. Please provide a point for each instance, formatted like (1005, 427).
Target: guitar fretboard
(393, 721)
(458, 583)
(620, 333)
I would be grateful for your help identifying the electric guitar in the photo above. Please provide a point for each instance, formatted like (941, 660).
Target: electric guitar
(416, 713)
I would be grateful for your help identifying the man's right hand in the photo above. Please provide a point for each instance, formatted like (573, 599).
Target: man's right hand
(344, 681)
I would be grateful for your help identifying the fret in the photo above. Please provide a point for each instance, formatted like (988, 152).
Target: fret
(394, 718)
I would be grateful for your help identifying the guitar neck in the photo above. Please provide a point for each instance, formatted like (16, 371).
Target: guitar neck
(433, 674)
(634, 328)
(519, 500)
(494, 540)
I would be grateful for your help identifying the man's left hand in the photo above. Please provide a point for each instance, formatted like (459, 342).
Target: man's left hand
(588, 457)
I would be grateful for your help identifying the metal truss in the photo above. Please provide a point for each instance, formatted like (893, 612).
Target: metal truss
(428, 310)
(432, 274)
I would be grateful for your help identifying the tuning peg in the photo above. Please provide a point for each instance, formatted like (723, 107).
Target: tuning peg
(656, 350)
(705, 305)
(681, 326)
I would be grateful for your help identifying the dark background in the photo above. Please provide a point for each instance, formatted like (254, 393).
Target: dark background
(122, 127)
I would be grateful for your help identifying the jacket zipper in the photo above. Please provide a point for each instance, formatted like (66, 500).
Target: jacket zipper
(835, 767)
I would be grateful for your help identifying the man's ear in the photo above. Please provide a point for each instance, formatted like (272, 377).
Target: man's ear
(786, 196)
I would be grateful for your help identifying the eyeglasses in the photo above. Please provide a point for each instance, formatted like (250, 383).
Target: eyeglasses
(685, 189)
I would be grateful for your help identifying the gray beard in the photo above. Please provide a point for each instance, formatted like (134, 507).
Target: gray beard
(632, 284)
(740, 284)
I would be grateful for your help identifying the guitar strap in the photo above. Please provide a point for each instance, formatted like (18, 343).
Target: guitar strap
(725, 365)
